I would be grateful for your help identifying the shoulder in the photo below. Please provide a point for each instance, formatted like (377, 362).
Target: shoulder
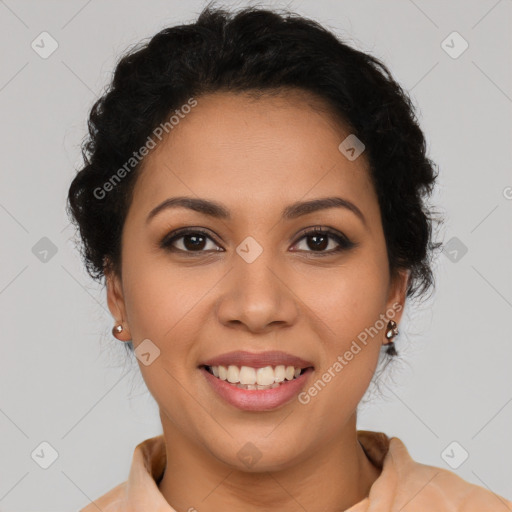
(420, 486)
(140, 489)
(109, 502)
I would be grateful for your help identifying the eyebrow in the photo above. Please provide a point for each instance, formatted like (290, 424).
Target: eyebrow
(293, 211)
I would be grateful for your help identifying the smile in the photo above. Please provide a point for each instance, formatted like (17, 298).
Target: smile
(252, 396)
(246, 377)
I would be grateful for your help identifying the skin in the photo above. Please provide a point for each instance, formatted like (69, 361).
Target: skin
(256, 156)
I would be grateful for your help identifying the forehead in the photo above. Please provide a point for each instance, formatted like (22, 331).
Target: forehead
(254, 151)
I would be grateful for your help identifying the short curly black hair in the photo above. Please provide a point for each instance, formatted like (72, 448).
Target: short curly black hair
(259, 51)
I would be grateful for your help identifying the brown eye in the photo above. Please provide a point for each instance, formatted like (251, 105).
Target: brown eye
(188, 240)
(318, 240)
(323, 242)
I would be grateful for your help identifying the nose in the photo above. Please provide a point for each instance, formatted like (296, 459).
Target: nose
(257, 296)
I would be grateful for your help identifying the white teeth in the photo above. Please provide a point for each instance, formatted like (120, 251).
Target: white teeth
(233, 373)
(247, 375)
(223, 372)
(265, 376)
(257, 386)
(290, 372)
(280, 373)
(252, 378)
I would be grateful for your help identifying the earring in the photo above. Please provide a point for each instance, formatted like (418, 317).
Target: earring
(391, 332)
(117, 329)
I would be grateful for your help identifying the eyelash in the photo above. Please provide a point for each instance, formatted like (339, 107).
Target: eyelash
(343, 242)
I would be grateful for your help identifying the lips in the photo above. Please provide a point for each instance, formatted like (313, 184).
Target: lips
(257, 360)
(257, 400)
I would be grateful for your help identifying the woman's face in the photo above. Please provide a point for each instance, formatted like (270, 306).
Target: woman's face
(254, 280)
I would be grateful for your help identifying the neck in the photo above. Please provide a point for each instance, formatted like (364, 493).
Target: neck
(333, 477)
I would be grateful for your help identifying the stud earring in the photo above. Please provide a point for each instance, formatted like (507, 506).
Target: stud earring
(117, 329)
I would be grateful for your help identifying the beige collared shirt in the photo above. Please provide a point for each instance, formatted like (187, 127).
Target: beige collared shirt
(404, 485)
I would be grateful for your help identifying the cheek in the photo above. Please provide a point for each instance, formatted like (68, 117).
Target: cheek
(157, 306)
(348, 298)
(347, 302)
(163, 304)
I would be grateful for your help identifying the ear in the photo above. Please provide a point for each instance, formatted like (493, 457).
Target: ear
(116, 303)
(397, 295)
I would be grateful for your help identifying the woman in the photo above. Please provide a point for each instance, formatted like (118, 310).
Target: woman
(254, 195)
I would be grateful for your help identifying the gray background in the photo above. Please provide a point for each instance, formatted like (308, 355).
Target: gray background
(65, 380)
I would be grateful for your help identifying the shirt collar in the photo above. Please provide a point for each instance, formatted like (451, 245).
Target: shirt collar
(149, 459)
